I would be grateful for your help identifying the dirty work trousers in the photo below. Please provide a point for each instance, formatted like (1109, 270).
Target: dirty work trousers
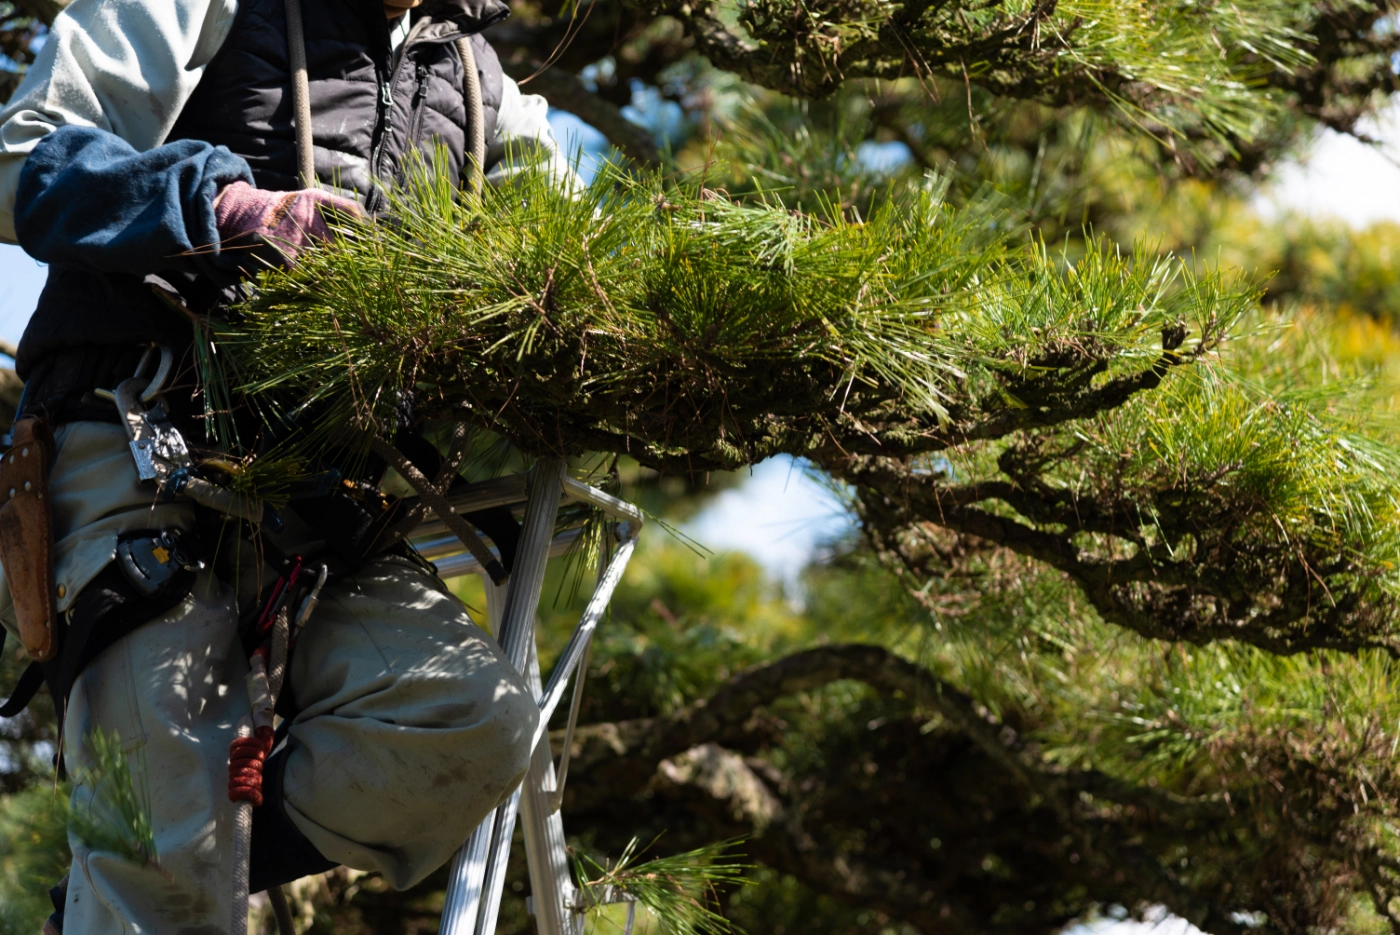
(412, 724)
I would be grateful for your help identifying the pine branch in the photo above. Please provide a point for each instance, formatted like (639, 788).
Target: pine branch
(687, 329)
(434, 498)
(1209, 510)
(1137, 61)
(725, 715)
(680, 891)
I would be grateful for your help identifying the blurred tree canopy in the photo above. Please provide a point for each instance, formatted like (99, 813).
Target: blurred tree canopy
(1118, 627)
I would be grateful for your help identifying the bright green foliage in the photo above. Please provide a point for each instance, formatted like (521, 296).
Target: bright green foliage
(110, 811)
(685, 323)
(692, 330)
(33, 855)
(679, 891)
(566, 300)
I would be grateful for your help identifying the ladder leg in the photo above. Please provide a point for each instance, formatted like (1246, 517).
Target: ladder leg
(517, 630)
(478, 869)
(496, 866)
(462, 906)
(542, 827)
(461, 910)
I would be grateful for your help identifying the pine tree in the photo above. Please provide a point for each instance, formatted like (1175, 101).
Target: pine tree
(1120, 622)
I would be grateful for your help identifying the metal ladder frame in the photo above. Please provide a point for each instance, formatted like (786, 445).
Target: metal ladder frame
(478, 868)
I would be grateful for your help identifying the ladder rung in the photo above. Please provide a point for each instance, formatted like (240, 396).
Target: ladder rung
(460, 562)
(510, 491)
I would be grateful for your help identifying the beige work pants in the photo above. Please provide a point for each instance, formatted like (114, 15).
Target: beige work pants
(412, 724)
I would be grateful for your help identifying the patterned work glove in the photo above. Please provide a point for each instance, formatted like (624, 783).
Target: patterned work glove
(288, 221)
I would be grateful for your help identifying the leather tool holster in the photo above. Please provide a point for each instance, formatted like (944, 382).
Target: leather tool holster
(26, 535)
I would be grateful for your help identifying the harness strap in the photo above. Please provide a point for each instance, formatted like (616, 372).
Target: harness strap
(109, 608)
(25, 689)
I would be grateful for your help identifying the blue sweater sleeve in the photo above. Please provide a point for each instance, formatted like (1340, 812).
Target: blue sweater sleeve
(87, 199)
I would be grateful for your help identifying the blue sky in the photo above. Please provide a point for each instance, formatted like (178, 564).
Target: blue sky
(20, 281)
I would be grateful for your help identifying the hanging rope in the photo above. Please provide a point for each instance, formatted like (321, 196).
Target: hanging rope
(476, 119)
(250, 748)
(301, 94)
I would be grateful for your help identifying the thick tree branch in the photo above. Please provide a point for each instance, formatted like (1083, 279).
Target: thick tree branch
(1212, 585)
(727, 714)
(1060, 828)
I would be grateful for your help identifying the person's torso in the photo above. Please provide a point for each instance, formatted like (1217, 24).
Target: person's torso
(372, 107)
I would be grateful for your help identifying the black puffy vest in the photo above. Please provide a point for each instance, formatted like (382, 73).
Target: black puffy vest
(371, 107)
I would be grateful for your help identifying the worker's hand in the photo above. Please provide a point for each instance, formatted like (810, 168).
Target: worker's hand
(289, 221)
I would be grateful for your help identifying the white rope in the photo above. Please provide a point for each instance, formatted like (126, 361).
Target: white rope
(301, 93)
(476, 117)
(242, 849)
(262, 696)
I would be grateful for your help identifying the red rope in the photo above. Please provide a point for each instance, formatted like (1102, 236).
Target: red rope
(246, 756)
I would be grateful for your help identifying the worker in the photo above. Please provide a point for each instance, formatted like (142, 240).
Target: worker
(149, 158)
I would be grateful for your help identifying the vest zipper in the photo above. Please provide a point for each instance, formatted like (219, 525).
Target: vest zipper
(386, 102)
(420, 103)
(376, 200)
(386, 122)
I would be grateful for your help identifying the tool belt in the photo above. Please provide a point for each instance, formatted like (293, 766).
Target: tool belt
(62, 388)
(26, 535)
(154, 569)
(352, 518)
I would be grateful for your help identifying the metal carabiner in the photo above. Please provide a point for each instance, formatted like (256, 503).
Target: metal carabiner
(311, 600)
(156, 383)
(167, 359)
(158, 451)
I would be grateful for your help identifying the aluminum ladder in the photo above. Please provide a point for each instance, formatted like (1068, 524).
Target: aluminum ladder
(478, 869)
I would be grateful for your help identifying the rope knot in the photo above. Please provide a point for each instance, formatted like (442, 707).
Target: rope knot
(246, 756)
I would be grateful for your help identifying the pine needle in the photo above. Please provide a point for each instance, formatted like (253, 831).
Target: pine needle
(681, 891)
(115, 819)
(657, 316)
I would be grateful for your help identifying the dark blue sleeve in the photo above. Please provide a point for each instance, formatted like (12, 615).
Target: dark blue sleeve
(88, 200)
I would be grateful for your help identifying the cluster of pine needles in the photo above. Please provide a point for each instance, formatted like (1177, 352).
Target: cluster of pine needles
(113, 814)
(658, 313)
(658, 317)
(680, 892)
